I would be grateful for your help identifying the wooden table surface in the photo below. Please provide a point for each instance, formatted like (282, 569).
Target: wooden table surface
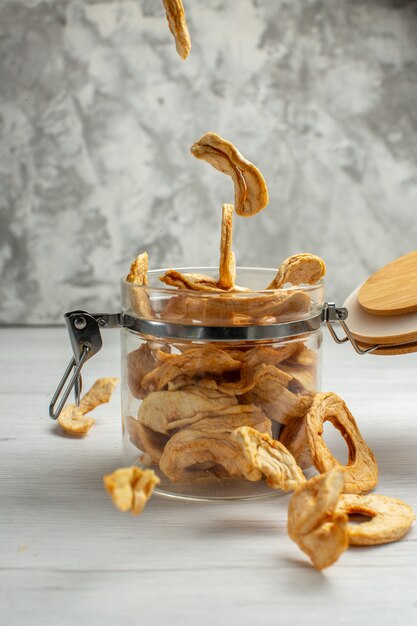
(68, 557)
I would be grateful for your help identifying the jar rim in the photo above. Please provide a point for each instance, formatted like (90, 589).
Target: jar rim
(168, 289)
(281, 312)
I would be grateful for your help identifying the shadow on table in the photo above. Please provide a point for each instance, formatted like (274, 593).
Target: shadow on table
(396, 458)
(238, 527)
(304, 564)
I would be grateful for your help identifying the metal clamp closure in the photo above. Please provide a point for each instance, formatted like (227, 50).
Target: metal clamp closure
(84, 332)
(333, 315)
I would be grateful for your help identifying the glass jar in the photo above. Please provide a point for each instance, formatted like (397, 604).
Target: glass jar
(198, 364)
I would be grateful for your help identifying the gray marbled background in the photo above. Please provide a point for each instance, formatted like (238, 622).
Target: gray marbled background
(97, 113)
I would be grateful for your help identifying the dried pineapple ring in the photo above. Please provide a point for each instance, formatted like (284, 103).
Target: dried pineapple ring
(271, 356)
(73, 421)
(206, 449)
(270, 457)
(146, 439)
(304, 439)
(139, 363)
(251, 377)
(227, 266)
(314, 501)
(326, 544)
(100, 393)
(195, 282)
(231, 307)
(192, 362)
(164, 411)
(131, 488)
(178, 26)
(138, 275)
(251, 193)
(299, 269)
(391, 518)
(313, 523)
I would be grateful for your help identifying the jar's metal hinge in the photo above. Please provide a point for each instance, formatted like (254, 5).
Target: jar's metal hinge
(84, 332)
(332, 315)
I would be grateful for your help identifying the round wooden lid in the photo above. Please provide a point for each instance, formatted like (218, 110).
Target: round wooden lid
(392, 290)
(389, 331)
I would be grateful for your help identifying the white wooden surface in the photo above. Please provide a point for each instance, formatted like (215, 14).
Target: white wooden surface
(67, 557)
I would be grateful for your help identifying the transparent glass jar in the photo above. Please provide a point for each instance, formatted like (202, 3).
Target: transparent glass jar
(199, 364)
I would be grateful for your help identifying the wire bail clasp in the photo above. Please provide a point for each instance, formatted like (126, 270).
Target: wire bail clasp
(332, 315)
(84, 332)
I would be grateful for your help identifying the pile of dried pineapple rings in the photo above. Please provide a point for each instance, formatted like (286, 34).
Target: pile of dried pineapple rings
(189, 417)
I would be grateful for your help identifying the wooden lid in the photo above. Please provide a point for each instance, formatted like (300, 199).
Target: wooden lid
(389, 331)
(392, 290)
